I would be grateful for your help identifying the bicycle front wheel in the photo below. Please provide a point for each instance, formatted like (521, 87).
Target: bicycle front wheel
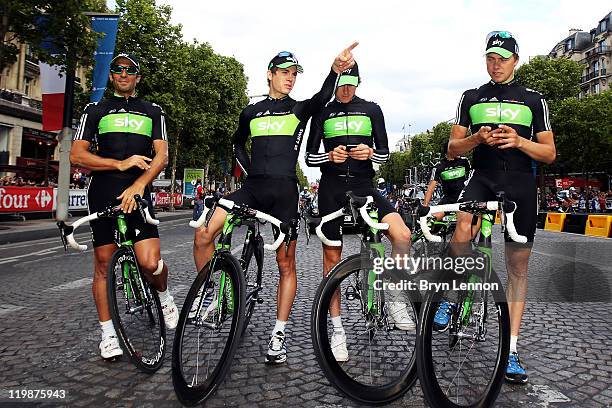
(208, 330)
(136, 312)
(381, 364)
(463, 365)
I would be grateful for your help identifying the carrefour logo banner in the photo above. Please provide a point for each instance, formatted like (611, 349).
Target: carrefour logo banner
(26, 199)
(104, 54)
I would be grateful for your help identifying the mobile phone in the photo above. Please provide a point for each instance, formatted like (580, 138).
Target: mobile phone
(350, 147)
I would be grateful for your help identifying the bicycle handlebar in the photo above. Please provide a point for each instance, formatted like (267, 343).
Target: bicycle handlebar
(67, 230)
(228, 205)
(507, 218)
(353, 199)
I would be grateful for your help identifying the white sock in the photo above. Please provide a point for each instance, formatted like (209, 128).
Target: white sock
(279, 326)
(337, 322)
(164, 296)
(513, 340)
(108, 329)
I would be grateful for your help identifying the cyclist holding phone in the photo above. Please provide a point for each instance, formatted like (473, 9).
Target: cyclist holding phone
(354, 136)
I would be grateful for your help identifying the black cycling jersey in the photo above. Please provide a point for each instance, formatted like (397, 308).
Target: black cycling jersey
(523, 109)
(347, 124)
(276, 128)
(451, 174)
(122, 127)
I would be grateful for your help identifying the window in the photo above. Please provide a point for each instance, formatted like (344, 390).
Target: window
(27, 86)
(569, 45)
(595, 67)
(602, 26)
(4, 137)
(596, 88)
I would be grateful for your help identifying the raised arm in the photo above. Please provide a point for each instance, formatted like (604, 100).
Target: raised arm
(343, 61)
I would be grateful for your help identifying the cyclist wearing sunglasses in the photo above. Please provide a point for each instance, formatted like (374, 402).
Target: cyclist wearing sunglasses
(275, 126)
(354, 137)
(131, 148)
(510, 129)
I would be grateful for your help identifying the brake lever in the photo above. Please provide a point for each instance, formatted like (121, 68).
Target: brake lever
(61, 225)
(292, 226)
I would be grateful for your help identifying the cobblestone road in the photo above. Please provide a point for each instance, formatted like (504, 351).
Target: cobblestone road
(49, 333)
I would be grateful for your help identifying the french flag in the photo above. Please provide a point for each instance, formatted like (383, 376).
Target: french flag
(53, 86)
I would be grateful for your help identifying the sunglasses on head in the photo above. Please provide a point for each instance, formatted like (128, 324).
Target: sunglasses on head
(129, 69)
(286, 54)
(500, 34)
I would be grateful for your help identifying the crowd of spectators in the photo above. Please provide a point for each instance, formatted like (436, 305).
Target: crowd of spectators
(587, 200)
(14, 181)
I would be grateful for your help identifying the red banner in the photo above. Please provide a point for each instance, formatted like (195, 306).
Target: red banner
(25, 199)
(163, 199)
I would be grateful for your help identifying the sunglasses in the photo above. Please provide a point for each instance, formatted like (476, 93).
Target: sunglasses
(500, 34)
(129, 69)
(286, 54)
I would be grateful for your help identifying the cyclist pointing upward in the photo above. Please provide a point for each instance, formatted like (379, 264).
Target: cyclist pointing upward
(275, 127)
(510, 128)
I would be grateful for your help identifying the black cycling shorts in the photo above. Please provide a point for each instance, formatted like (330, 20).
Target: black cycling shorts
(520, 187)
(102, 192)
(332, 197)
(448, 200)
(276, 196)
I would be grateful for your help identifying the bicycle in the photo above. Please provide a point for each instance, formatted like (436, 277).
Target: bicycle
(463, 364)
(367, 315)
(220, 302)
(141, 313)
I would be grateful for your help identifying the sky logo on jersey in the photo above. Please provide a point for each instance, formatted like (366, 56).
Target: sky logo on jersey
(347, 125)
(126, 123)
(282, 125)
(501, 113)
(452, 174)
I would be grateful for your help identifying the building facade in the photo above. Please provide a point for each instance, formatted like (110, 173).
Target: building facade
(25, 148)
(593, 49)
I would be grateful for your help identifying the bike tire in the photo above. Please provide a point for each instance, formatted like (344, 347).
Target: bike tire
(132, 327)
(340, 375)
(192, 390)
(433, 390)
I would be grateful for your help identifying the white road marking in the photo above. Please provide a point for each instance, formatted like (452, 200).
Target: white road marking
(8, 308)
(547, 395)
(42, 252)
(79, 283)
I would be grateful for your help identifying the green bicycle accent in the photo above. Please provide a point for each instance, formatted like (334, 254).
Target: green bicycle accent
(379, 248)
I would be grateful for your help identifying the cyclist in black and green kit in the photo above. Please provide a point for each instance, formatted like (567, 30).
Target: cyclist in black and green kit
(354, 137)
(131, 150)
(275, 127)
(451, 173)
(510, 128)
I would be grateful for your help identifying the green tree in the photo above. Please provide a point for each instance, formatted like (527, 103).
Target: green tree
(555, 79)
(302, 179)
(583, 130)
(65, 24)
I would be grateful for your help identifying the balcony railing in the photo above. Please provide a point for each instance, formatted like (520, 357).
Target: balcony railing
(592, 75)
(20, 99)
(590, 54)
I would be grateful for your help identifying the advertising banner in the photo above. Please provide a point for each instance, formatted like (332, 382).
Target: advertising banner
(189, 180)
(26, 199)
(104, 53)
(163, 199)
